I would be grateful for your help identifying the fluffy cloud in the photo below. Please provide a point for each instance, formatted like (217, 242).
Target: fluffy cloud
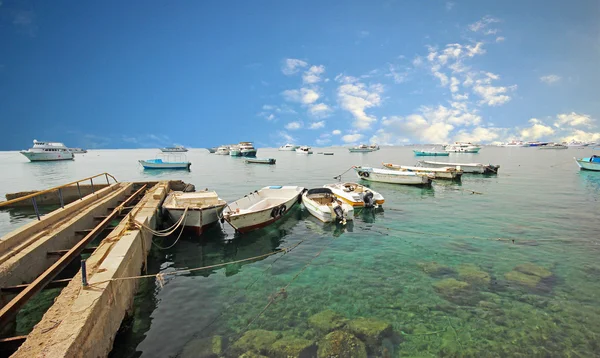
(352, 138)
(317, 125)
(500, 38)
(479, 135)
(537, 130)
(483, 25)
(319, 110)
(284, 137)
(398, 77)
(550, 79)
(416, 126)
(313, 74)
(292, 65)
(271, 112)
(581, 136)
(292, 126)
(573, 119)
(355, 97)
(490, 94)
(303, 95)
(336, 132)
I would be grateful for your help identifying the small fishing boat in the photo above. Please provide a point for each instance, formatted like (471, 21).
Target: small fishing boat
(223, 150)
(204, 208)
(167, 161)
(175, 149)
(261, 208)
(424, 153)
(453, 173)
(260, 161)
(304, 150)
(363, 148)
(591, 163)
(288, 148)
(356, 195)
(553, 146)
(322, 204)
(393, 176)
(212, 150)
(476, 168)
(459, 147)
(327, 153)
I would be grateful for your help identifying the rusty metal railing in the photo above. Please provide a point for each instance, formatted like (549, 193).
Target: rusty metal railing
(59, 190)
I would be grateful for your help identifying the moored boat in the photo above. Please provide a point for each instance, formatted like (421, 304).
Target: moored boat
(356, 195)
(261, 208)
(476, 168)
(393, 176)
(363, 148)
(166, 161)
(322, 204)
(212, 149)
(247, 149)
(260, 161)
(223, 150)
(304, 150)
(432, 153)
(235, 151)
(327, 153)
(47, 151)
(288, 148)
(590, 163)
(201, 208)
(459, 147)
(453, 173)
(553, 146)
(77, 150)
(175, 149)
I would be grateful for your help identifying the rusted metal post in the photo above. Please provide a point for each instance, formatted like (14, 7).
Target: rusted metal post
(92, 181)
(79, 191)
(35, 208)
(62, 203)
(83, 274)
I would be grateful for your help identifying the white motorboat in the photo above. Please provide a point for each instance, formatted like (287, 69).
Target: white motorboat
(304, 150)
(553, 146)
(393, 176)
(77, 150)
(261, 208)
(453, 173)
(247, 149)
(235, 151)
(167, 161)
(356, 195)
(323, 204)
(288, 148)
(374, 147)
(512, 144)
(459, 147)
(575, 143)
(363, 148)
(47, 151)
(223, 150)
(204, 208)
(476, 168)
(175, 149)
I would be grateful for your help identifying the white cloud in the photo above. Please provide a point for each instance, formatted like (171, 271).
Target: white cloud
(475, 50)
(537, 130)
(483, 24)
(270, 117)
(352, 138)
(356, 97)
(490, 94)
(284, 137)
(460, 97)
(292, 126)
(303, 95)
(479, 135)
(500, 38)
(292, 65)
(398, 77)
(574, 119)
(362, 34)
(449, 5)
(321, 141)
(550, 79)
(418, 61)
(442, 77)
(313, 74)
(319, 110)
(317, 125)
(581, 136)
(336, 132)
(454, 82)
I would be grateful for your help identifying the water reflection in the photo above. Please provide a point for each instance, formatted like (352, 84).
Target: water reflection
(590, 179)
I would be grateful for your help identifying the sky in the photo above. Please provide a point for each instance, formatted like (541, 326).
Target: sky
(133, 74)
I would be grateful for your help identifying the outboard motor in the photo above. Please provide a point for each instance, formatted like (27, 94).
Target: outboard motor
(339, 213)
(368, 199)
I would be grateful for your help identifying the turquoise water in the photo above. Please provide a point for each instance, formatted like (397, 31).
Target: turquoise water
(487, 295)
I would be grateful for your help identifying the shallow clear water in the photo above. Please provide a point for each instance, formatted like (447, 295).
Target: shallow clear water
(379, 266)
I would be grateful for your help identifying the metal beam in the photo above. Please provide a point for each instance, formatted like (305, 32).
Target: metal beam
(11, 308)
(10, 345)
(87, 250)
(18, 288)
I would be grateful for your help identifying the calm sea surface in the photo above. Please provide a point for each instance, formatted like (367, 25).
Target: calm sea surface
(438, 264)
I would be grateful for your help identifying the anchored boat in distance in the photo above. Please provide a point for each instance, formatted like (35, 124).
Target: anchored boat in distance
(175, 149)
(47, 151)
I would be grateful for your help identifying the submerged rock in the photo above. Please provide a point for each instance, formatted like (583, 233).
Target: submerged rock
(454, 291)
(327, 321)
(209, 347)
(472, 274)
(370, 330)
(256, 340)
(434, 269)
(533, 269)
(341, 344)
(293, 347)
(522, 279)
(250, 354)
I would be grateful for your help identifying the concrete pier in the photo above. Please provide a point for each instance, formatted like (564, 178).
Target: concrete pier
(83, 322)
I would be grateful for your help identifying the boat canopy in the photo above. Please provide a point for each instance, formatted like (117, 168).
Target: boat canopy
(319, 191)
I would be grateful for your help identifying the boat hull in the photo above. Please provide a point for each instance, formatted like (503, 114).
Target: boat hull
(587, 165)
(248, 152)
(420, 153)
(197, 219)
(474, 168)
(47, 157)
(287, 149)
(361, 150)
(269, 161)
(323, 212)
(174, 166)
(448, 173)
(235, 153)
(393, 177)
(354, 197)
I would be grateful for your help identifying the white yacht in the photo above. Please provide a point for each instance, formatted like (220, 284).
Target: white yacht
(459, 147)
(235, 151)
(77, 150)
(288, 148)
(175, 149)
(45, 151)
(304, 150)
(247, 149)
(223, 150)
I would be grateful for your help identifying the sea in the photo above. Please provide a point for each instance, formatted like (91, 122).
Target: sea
(492, 266)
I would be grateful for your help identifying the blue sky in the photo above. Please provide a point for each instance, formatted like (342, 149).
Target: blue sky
(138, 73)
